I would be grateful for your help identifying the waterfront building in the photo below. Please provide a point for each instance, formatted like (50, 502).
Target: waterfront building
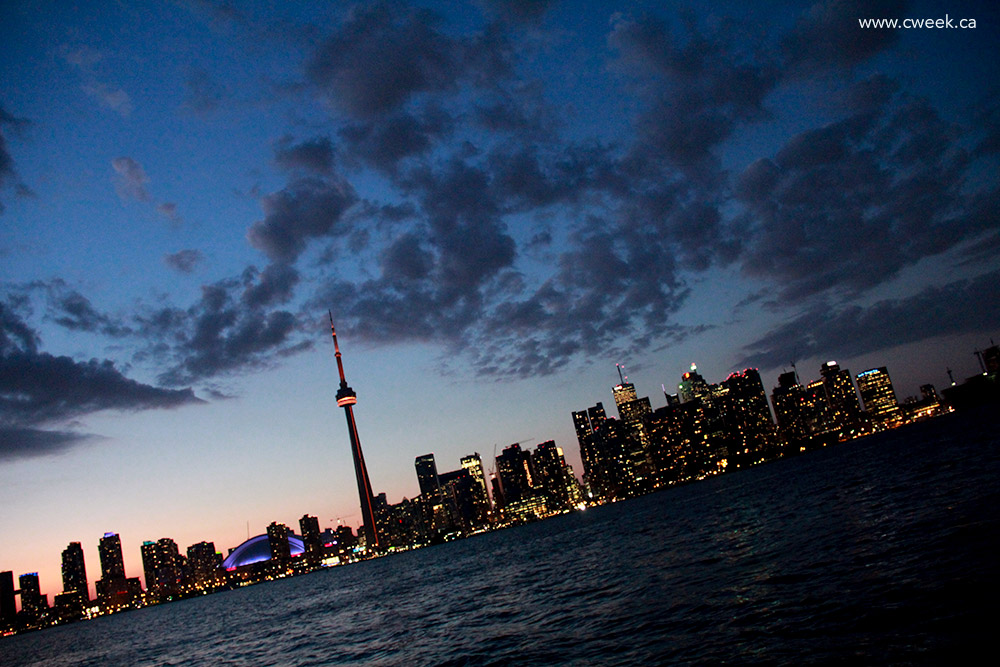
(309, 526)
(747, 417)
(115, 591)
(8, 608)
(555, 477)
(74, 571)
(843, 408)
(427, 474)
(877, 395)
(514, 473)
(33, 603)
(112, 562)
(604, 450)
(277, 542)
(481, 499)
(205, 567)
(792, 408)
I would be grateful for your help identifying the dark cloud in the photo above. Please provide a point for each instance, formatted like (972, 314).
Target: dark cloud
(850, 204)
(131, 179)
(184, 261)
(8, 175)
(393, 138)
(698, 89)
(73, 311)
(384, 54)
(232, 328)
(852, 330)
(828, 35)
(22, 443)
(274, 285)
(38, 389)
(307, 208)
(518, 11)
(313, 155)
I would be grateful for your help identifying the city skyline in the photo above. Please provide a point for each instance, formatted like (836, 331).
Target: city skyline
(498, 202)
(111, 559)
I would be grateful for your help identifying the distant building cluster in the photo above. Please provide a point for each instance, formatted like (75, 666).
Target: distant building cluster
(704, 429)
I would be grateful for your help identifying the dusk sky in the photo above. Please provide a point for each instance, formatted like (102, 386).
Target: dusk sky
(497, 202)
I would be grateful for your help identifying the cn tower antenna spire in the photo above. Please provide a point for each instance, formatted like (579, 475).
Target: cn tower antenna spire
(336, 348)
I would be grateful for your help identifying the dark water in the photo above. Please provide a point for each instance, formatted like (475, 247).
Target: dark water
(880, 551)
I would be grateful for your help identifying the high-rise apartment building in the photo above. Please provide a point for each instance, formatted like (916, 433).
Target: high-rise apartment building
(74, 571)
(311, 542)
(112, 562)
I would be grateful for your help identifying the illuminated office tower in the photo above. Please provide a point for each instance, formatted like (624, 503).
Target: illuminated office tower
(33, 602)
(480, 494)
(427, 475)
(555, 477)
(8, 609)
(311, 542)
(74, 572)
(792, 407)
(347, 399)
(693, 387)
(746, 413)
(877, 394)
(515, 474)
(603, 448)
(624, 393)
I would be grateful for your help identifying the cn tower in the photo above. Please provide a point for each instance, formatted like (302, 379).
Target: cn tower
(346, 398)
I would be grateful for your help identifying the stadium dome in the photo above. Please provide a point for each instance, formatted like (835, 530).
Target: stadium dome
(257, 549)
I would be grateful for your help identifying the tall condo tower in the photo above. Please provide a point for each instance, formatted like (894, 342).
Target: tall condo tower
(346, 398)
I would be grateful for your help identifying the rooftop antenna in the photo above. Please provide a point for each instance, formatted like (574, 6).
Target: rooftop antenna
(950, 376)
(620, 376)
(979, 355)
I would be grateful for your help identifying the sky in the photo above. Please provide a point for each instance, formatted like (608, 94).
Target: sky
(498, 202)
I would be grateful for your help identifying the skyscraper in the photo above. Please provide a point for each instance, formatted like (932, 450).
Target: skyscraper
(163, 567)
(32, 601)
(112, 563)
(114, 590)
(747, 415)
(346, 398)
(474, 465)
(427, 475)
(277, 540)
(515, 474)
(844, 408)
(555, 477)
(8, 610)
(877, 394)
(309, 525)
(74, 572)
(206, 566)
